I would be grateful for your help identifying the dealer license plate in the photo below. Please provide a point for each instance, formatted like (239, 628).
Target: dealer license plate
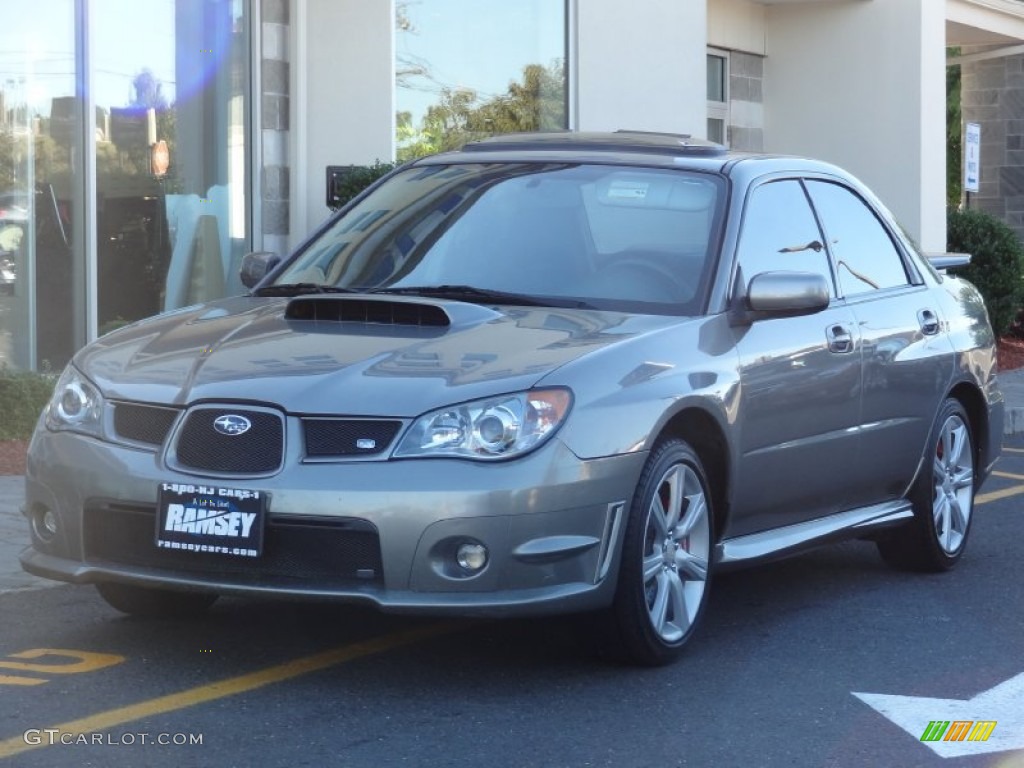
(210, 519)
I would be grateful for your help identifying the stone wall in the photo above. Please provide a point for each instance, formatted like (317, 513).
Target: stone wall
(992, 94)
(746, 102)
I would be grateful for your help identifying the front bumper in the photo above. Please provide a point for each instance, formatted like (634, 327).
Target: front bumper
(552, 524)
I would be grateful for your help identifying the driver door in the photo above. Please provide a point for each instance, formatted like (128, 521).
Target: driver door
(800, 377)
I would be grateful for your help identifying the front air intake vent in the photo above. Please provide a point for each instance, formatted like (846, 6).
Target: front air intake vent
(143, 423)
(336, 438)
(342, 309)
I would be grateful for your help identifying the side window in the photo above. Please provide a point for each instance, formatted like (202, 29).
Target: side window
(866, 258)
(780, 233)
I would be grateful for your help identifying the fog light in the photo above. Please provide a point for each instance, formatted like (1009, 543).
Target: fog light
(45, 523)
(471, 555)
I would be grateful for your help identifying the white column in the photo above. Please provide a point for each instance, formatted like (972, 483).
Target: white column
(349, 89)
(862, 84)
(641, 65)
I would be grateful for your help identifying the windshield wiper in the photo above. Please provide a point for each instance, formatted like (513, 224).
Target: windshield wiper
(296, 289)
(482, 296)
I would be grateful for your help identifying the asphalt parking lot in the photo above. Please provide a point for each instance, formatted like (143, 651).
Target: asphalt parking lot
(829, 659)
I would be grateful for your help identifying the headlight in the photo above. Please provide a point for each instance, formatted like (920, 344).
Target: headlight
(496, 428)
(76, 405)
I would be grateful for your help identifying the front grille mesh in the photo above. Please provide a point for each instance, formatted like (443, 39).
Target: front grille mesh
(316, 553)
(348, 437)
(259, 450)
(143, 423)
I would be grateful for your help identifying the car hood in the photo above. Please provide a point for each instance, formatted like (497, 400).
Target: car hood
(250, 349)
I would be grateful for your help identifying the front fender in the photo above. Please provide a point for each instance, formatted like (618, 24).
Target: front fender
(626, 395)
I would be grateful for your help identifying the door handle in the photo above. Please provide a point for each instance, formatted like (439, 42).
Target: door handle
(929, 322)
(840, 339)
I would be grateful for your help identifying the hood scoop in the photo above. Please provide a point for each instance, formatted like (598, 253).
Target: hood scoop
(352, 309)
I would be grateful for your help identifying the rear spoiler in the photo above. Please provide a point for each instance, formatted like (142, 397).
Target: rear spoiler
(944, 261)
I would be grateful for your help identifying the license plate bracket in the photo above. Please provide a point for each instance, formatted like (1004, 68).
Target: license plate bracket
(213, 520)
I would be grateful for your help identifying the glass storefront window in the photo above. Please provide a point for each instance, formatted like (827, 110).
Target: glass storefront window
(463, 73)
(171, 88)
(42, 250)
(169, 81)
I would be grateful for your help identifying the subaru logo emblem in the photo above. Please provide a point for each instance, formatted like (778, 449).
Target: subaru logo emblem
(231, 424)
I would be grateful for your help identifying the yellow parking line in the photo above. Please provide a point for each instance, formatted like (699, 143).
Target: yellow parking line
(1000, 494)
(15, 680)
(213, 691)
(1010, 475)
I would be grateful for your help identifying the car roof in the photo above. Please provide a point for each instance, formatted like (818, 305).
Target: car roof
(622, 140)
(624, 147)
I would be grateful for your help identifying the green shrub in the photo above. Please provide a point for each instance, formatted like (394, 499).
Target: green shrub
(355, 180)
(997, 263)
(23, 395)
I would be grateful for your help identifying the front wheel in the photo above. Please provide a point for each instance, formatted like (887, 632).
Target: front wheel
(943, 499)
(665, 570)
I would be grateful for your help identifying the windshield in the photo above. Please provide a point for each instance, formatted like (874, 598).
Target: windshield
(609, 237)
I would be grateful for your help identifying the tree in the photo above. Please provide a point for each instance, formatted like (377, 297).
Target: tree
(118, 163)
(411, 142)
(8, 159)
(148, 91)
(411, 71)
(535, 103)
(997, 263)
(954, 134)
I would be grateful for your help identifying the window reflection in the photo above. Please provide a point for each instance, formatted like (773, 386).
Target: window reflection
(463, 73)
(41, 253)
(170, 160)
(606, 236)
(866, 258)
(780, 233)
(169, 79)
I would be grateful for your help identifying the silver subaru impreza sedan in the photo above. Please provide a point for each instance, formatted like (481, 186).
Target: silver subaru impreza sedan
(548, 373)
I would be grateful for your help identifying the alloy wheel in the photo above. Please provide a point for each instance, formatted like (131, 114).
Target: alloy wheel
(953, 473)
(677, 550)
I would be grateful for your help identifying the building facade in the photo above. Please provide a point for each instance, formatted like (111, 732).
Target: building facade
(992, 95)
(145, 147)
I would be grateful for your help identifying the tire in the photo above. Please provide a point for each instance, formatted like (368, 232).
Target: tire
(942, 498)
(664, 574)
(154, 603)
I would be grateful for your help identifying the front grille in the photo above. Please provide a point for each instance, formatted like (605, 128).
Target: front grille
(258, 450)
(143, 423)
(312, 552)
(348, 437)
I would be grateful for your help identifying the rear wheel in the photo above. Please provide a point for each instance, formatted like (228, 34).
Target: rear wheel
(150, 602)
(666, 555)
(943, 499)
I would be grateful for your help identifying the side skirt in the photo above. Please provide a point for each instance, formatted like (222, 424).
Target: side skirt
(782, 542)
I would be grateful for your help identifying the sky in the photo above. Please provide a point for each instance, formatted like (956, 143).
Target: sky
(37, 49)
(477, 44)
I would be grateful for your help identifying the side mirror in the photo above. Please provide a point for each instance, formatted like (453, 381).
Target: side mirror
(944, 261)
(256, 266)
(777, 294)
